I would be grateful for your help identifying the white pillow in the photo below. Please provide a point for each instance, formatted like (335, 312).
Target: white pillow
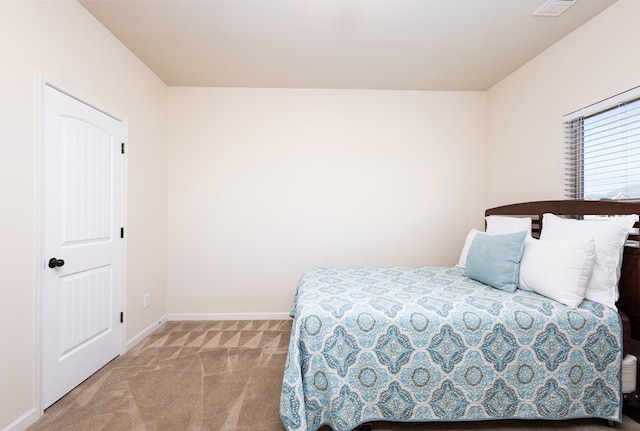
(559, 270)
(500, 225)
(609, 237)
(462, 263)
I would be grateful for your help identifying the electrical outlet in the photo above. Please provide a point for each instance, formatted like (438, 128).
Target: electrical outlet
(146, 300)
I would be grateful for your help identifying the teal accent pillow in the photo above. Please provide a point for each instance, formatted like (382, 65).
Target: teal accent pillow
(495, 259)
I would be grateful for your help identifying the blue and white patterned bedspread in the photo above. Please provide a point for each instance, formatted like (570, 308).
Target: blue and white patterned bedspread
(430, 344)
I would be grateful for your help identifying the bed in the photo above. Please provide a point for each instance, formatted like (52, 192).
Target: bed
(437, 344)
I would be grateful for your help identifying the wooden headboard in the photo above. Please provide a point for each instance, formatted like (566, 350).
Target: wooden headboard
(629, 285)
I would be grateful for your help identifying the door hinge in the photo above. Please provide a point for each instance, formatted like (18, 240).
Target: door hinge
(122, 148)
(121, 232)
(122, 317)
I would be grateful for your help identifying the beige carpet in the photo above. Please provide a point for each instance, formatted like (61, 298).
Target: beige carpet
(214, 376)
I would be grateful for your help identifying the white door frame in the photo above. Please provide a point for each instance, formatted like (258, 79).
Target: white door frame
(45, 81)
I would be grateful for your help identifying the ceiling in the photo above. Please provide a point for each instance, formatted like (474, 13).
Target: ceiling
(360, 44)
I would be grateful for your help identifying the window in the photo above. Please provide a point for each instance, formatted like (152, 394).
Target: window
(602, 149)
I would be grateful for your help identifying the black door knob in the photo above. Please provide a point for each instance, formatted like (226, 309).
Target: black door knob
(53, 262)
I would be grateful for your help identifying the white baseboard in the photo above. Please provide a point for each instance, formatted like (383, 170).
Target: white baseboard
(228, 316)
(24, 421)
(146, 332)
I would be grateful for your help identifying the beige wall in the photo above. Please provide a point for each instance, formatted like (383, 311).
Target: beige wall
(264, 183)
(64, 41)
(524, 111)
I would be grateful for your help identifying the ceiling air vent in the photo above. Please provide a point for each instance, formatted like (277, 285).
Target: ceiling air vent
(554, 7)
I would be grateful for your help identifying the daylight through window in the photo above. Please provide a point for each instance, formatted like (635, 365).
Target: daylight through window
(602, 149)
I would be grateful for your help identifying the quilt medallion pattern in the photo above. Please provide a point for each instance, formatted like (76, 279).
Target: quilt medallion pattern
(430, 344)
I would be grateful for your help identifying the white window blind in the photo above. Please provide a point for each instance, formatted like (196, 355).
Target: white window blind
(602, 149)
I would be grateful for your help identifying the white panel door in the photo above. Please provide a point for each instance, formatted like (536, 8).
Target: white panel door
(82, 245)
